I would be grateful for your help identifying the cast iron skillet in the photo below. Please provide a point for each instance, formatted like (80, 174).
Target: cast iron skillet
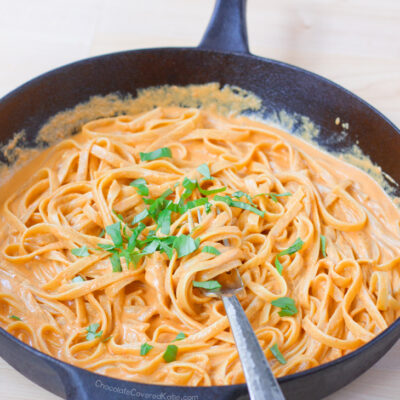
(223, 56)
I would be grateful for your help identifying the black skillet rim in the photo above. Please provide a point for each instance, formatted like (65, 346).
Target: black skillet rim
(286, 378)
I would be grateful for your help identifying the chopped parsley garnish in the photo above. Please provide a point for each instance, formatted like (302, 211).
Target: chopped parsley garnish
(189, 185)
(185, 245)
(160, 210)
(141, 186)
(154, 155)
(207, 285)
(323, 245)
(107, 339)
(145, 348)
(102, 233)
(239, 204)
(164, 221)
(158, 204)
(274, 196)
(80, 251)
(141, 216)
(77, 279)
(205, 171)
(179, 336)
(92, 331)
(135, 234)
(151, 247)
(210, 249)
(193, 204)
(119, 216)
(153, 243)
(278, 265)
(295, 247)
(239, 194)
(278, 355)
(206, 192)
(171, 353)
(107, 247)
(114, 231)
(14, 317)
(287, 306)
(116, 262)
(165, 246)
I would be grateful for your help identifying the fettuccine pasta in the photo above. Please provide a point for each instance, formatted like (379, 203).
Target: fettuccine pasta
(111, 239)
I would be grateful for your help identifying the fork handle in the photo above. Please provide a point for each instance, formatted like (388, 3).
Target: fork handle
(260, 380)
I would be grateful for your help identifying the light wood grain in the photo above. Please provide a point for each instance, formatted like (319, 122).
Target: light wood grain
(355, 43)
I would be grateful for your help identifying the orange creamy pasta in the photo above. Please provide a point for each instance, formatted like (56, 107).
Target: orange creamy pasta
(76, 284)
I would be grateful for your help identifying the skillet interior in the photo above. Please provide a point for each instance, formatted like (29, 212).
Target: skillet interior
(280, 87)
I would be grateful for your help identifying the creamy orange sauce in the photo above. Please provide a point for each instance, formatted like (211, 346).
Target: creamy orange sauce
(64, 198)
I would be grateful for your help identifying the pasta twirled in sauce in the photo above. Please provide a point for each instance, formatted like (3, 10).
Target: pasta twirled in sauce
(90, 277)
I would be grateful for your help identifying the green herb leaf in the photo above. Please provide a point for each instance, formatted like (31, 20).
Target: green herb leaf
(164, 221)
(239, 204)
(158, 204)
(205, 171)
(92, 331)
(166, 248)
(323, 245)
(141, 186)
(107, 339)
(14, 317)
(179, 336)
(208, 285)
(77, 279)
(278, 265)
(148, 201)
(116, 262)
(136, 257)
(171, 353)
(210, 249)
(240, 194)
(145, 348)
(163, 244)
(278, 355)
(127, 255)
(208, 207)
(107, 247)
(119, 216)
(295, 247)
(154, 155)
(274, 196)
(114, 231)
(193, 204)
(102, 233)
(80, 251)
(185, 245)
(287, 305)
(189, 186)
(151, 247)
(135, 234)
(172, 206)
(211, 191)
(141, 216)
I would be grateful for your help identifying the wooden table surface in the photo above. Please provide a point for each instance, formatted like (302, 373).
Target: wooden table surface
(353, 42)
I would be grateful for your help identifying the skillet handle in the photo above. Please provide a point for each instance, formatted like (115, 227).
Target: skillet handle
(227, 30)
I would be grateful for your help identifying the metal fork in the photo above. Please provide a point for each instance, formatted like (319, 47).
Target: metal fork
(261, 382)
